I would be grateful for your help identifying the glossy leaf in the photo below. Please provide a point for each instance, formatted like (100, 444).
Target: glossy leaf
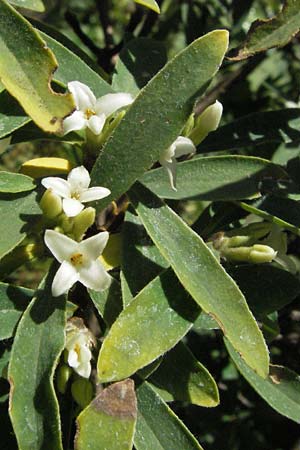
(108, 302)
(156, 319)
(281, 126)
(13, 302)
(158, 114)
(35, 5)
(28, 75)
(109, 421)
(157, 426)
(203, 277)
(151, 4)
(275, 32)
(266, 288)
(15, 182)
(185, 378)
(214, 178)
(38, 344)
(137, 63)
(18, 212)
(281, 389)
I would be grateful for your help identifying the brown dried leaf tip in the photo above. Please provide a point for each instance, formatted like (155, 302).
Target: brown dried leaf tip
(117, 400)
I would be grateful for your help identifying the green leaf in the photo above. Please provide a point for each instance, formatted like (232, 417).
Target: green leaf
(282, 126)
(138, 62)
(156, 319)
(151, 4)
(203, 277)
(15, 182)
(38, 344)
(275, 32)
(12, 116)
(281, 389)
(18, 213)
(158, 114)
(214, 178)
(266, 288)
(13, 301)
(141, 260)
(28, 74)
(35, 5)
(109, 421)
(157, 425)
(284, 212)
(185, 378)
(108, 302)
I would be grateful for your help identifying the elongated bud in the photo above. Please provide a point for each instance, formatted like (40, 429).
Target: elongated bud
(82, 222)
(257, 254)
(206, 122)
(51, 204)
(256, 230)
(82, 392)
(63, 374)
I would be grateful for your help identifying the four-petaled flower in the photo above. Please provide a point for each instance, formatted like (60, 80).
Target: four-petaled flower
(91, 112)
(78, 343)
(182, 146)
(79, 261)
(75, 190)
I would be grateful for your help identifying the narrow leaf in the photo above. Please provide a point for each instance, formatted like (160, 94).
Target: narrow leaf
(15, 182)
(38, 344)
(185, 378)
(109, 421)
(13, 302)
(214, 178)
(108, 302)
(275, 32)
(12, 116)
(158, 114)
(203, 277)
(157, 425)
(28, 75)
(35, 5)
(281, 389)
(155, 320)
(151, 4)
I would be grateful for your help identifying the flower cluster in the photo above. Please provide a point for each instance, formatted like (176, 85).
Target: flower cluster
(78, 346)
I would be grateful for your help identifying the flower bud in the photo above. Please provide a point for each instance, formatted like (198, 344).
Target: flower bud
(51, 204)
(63, 374)
(206, 122)
(82, 222)
(82, 392)
(262, 254)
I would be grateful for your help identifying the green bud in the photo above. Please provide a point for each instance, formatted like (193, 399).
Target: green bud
(63, 374)
(256, 230)
(189, 125)
(262, 254)
(66, 223)
(51, 204)
(82, 222)
(206, 122)
(82, 392)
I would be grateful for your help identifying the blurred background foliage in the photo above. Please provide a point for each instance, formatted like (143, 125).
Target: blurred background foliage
(269, 81)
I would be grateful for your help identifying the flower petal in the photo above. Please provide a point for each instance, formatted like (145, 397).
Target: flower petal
(94, 246)
(85, 354)
(72, 207)
(61, 246)
(73, 358)
(96, 123)
(74, 122)
(110, 103)
(83, 96)
(84, 370)
(94, 193)
(183, 146)
(171, 171)
(94, 276)
(168, 154)
(58, 185)
(64, 279)
(79, 179)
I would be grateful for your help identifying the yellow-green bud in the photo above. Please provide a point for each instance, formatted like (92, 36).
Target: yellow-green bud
(206, 122)
(66, 223)
(51, 204)
(82, 392)
(262, 254)
(63, 374)
(82, 222)
(189, 125)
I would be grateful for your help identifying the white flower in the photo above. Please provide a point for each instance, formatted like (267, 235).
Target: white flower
(75, 190)
(91, 112)
(79, 354)
(181, 146)
(79, 261)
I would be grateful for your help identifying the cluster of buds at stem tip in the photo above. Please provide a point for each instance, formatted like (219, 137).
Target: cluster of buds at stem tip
(239, 249)
(205, 123)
